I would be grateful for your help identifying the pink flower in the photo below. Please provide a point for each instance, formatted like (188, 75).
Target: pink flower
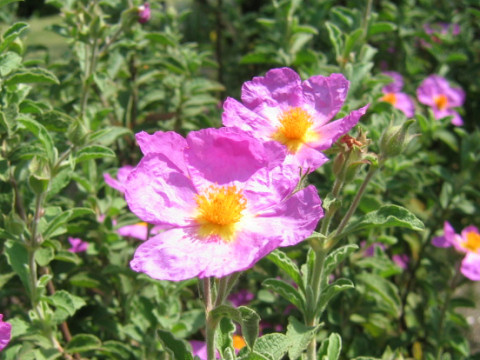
(435, 91)
(280, 107)
(144, 13)
(138, 231)
(442, 28)
(370, 251)
(119, 183)
(241, 297)
(402, 260)
(77, 245)
(225, 199)
(393, 95)
(5, 333)
(468, 242)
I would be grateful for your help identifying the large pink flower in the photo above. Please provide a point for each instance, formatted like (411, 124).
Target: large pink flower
(468, 242)
(436, 92)
(280, 107)
(225, 199)
(392, 93)
(5, 333)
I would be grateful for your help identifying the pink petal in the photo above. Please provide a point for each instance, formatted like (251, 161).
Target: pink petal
(221, 156)
(169, 143)
(159, 193)
(405, 104)
(325, 95)
(470, 267)
(396, 85)
(138, 231)
(5, 333)
(278, 86)
(331, 132)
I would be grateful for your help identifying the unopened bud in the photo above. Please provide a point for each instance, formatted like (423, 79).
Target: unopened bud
(394, 139)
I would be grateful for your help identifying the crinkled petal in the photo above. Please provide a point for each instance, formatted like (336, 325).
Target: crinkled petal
(235, 114)
(309, 159)
(225, 155)
(178, 254)
(267, 188)
(138, 231)
(122, 175)
(278, 86)
(325, 96)
(405, 104)
(470, 267)
(301, 212)
(5, 333)
(396, 85)
(159, 193)
(331, 132)
(168, 143)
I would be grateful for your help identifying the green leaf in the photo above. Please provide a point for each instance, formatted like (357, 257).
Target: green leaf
(116, 350)
(12, 33)
(381, 27)
(386, 216)
(62, 218)
(107, 135)
(273, 345)
(93, 152)
(84, 279)
(351, 40)
(333, 260)
(67, 256)
(386, 291)
(253, 356)
(330, 291)
(330, 348)
(17, 257)
(33, 75)
(42, 134)
(336, 37)
(298, 337)
(66, 301)
(4, 278)
(281, 259)
(43, 256)
(9, 62)
(161, 38)
(82, 343)
(286, 291)
(176, 347)
(5, 2)
(246, 317)
(223, 335)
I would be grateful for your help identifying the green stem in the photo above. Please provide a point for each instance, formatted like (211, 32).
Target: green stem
(210, 323)
(356, 200)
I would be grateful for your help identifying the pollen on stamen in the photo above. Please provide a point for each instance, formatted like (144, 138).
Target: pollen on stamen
(295, 128)
(390, 98)
(473, 242)
(219, 210)
(441, 101)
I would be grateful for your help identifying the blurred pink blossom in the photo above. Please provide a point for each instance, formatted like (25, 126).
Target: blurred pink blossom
(393, 95)
(77, 245)
(144, 13)
(5, 333)
(468, 243)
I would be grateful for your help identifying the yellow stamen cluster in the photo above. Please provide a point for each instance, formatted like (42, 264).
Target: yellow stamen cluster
(295, 128)
(390, 98)
(441, 101)
(219, 209)
(473, 242)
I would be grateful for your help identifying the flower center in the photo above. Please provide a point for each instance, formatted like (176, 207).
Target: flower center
(473, 242)
(219, 210)
(441, 101)
(238, 342)
(390, 98)
(294, 129)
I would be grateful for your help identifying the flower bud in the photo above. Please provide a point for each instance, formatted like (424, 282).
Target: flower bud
(394, 139)
(144, 13)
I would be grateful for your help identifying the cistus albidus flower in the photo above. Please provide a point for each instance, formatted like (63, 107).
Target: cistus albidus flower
(436, 92)
(392, 93)
(297, 114)
(467, 242)
(77, 245)
(137, 231)
(224, 198)
(5, 333)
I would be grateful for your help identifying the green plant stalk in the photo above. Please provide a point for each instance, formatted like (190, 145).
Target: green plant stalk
(210, 323)
(356, 200)
(313, 318)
